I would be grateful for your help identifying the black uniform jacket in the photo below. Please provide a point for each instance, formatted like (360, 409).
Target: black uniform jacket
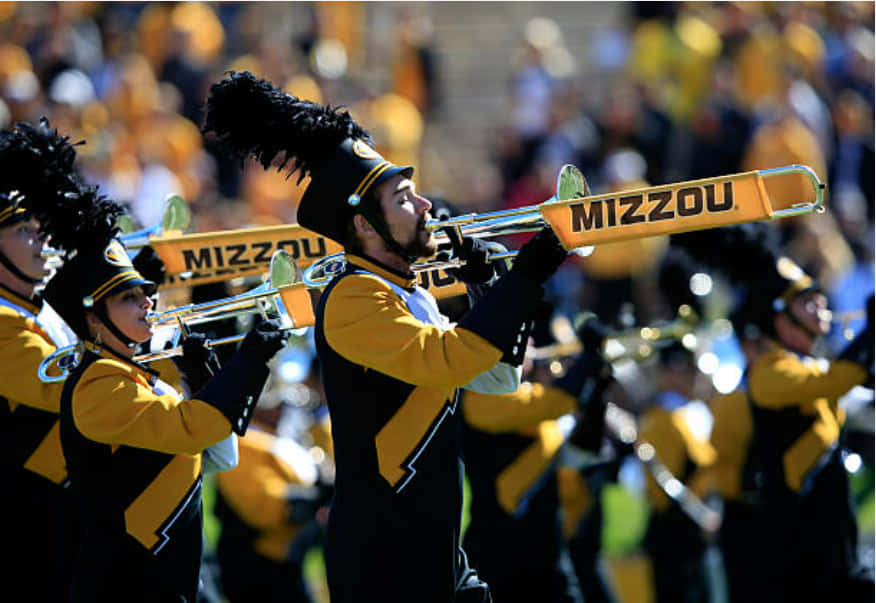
(134, 456)
(390, 382)
(511, 445)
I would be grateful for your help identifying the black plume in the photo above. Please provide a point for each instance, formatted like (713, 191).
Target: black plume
(743, 253)
(251, 117)
(39, 164)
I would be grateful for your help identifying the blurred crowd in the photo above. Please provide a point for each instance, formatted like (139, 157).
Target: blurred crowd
(672, 92)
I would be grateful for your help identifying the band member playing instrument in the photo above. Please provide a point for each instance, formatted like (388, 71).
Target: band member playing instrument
(391, 363)
(512, 445)
(674, 542)
(135, 450)
(36, 163)
(810, 534)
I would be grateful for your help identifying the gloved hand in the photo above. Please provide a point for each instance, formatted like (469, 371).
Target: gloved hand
(264, 340)
(474, 252)
(198, 362)
(540, 257)
(591, 332)
(149, 265)
(585, 376)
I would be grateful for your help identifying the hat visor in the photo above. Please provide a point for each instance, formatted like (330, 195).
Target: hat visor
(406, 170)
(149, 287)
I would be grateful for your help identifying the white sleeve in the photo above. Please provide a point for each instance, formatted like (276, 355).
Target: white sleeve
(221, 456)
(501, 379)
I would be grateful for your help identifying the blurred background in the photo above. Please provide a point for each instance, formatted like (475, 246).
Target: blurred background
(488, 100)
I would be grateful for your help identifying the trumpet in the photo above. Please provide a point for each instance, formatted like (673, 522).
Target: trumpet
(581, 220)
(175, 216)
(570, 184)
(636, 344)
(280, 296)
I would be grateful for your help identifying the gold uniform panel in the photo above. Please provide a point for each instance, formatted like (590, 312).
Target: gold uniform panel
(154, 510)
(518, 478)
(404, 437)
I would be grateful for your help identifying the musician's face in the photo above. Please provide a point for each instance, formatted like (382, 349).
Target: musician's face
(22, 243)
(810, 309)
(406, 213)
(127, 310)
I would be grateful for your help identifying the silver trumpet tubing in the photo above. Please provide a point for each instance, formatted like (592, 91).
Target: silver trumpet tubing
(637, 343)
(264, 299)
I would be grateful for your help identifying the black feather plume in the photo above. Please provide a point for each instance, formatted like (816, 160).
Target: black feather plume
(39, 164)
(251, 117)
(743, 253)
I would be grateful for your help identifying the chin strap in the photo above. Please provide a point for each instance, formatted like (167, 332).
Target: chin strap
(379, 224)
(18, 273)
(101, 313)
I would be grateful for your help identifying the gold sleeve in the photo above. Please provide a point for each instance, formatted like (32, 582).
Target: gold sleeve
(367, 323)
(320, 432)
(528, 406)
(257, 488)
(112, 407)
(22, 349)
(779, 379)
(731, 436)
(658, 429)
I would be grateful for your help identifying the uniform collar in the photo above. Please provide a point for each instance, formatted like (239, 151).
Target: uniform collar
(406, 280)
(105, 352)
(32, 305)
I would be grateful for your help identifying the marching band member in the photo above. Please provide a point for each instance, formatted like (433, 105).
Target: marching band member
(809, 530)
(36, 163)
(135, 450)
(272, 508)
(512, 444)
(391, 363)
(812, 532)
(736, 479)
(674, 542)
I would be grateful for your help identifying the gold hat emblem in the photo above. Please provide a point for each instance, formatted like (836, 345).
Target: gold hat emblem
(116, 255)
(364, 151)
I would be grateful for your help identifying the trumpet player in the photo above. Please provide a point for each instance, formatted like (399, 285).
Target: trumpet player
(809, 534)
(513, 444)
(675, 543)
(391, 363)
(135, 450)
(36, 163)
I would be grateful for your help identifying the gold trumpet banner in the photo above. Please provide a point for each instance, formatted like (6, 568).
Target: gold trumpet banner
(225, 254)
(667, 209)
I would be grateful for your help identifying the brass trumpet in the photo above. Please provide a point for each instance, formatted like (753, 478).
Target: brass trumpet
(271, 299)
(571, 184)
(635, 344)
(581, 220)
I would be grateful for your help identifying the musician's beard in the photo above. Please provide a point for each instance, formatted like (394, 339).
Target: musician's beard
(423, 244)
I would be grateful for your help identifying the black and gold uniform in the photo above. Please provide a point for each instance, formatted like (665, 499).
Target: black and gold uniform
(735, 478)
(511, 445)
(37, 164)
(134, 451)
(798, 424)
(391, 363)
(32, 467)
(390, 372)
(673, 541)
(263, 503)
